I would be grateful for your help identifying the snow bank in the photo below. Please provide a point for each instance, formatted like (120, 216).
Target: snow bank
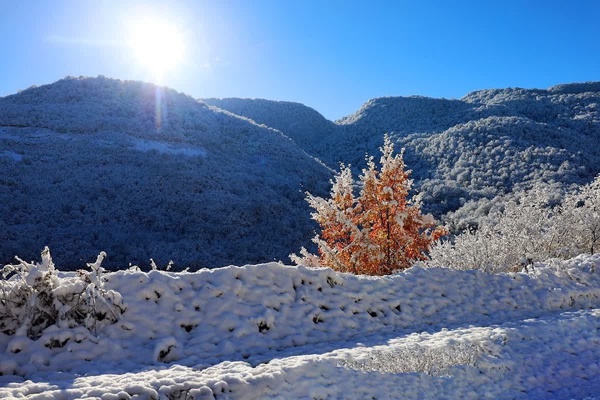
(235, 313)
(245, 316)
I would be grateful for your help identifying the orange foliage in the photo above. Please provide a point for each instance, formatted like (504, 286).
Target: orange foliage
(379, 232)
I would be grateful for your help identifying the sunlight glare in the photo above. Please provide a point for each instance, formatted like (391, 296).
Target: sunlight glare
(157, 46)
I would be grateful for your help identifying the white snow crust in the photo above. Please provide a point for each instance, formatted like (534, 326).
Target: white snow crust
(274, 331)
(147, 145)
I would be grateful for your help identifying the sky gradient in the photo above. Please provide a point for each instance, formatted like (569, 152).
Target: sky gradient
(330, 55)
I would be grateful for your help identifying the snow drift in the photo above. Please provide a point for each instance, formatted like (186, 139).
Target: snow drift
(209, 333)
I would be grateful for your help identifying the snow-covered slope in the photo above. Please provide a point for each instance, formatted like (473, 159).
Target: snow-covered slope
(271, 331)
(509, 140)
(95, 164)
(138, 171)
(301, 123)
(489, 143)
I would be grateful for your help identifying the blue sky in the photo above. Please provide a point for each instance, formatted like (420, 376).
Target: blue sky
(330, 55)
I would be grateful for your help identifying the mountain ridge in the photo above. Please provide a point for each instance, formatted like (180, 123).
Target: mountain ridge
(141, 171)
(302, 124)
(527, 135)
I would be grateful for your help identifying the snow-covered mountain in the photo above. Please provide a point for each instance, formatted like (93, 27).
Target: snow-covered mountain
(138, 171)
(486, 144)
(301, 123)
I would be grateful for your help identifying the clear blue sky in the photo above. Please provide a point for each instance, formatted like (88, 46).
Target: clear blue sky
(330, 55)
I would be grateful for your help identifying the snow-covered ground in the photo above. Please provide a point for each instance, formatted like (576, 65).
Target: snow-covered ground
(167, 148)
(272, 331)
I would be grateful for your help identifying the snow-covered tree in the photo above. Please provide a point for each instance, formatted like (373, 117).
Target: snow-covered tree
(582, 214)
(377, 233)
(532, 227)
(523, 232)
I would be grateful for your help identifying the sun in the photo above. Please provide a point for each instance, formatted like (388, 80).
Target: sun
(157, 46)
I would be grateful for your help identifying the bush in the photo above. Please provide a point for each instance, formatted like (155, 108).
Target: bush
(377, 233)
(34, 297)
(582, 215)
(530, 228)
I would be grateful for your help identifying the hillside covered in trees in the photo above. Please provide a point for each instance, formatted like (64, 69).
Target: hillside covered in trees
(143, 172)
(138, 171)
(507, 307)
(463, 153)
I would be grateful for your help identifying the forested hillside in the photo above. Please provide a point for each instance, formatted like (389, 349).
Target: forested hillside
(304, 125)
(469, 152)
(138, 171)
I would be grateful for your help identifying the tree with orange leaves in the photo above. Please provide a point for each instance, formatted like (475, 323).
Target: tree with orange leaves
(381, 231)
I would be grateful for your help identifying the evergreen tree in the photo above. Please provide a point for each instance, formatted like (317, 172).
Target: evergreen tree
(377, 233)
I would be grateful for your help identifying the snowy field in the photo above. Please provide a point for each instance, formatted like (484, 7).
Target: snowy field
(272, 331)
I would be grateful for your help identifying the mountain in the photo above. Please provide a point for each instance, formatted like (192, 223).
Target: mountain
(140, 171)
(466, 153)
(301, 123)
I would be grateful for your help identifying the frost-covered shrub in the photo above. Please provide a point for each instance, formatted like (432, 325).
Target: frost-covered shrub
(531, 227)
(380, 231)
(582, 214)
(34, 297)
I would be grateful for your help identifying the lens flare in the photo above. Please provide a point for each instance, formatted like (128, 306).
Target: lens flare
(156, 45)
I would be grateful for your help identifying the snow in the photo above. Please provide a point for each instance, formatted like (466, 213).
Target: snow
(16, 157)
(146, 145)
(192, 183)
(275, 331)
